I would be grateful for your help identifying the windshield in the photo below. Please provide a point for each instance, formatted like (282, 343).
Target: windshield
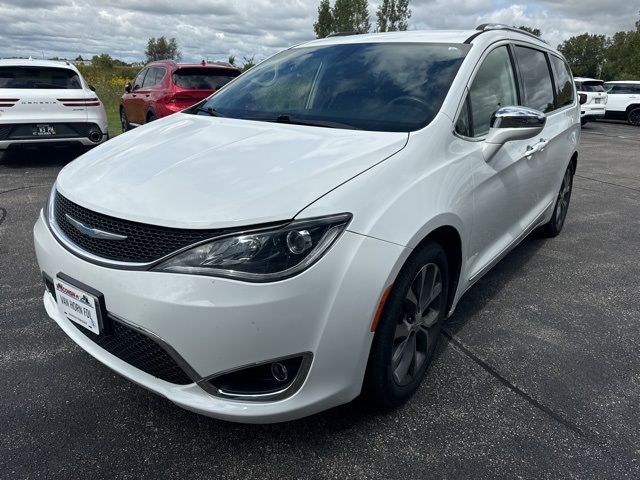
(396, 87)
(203, 78)
(39, 77)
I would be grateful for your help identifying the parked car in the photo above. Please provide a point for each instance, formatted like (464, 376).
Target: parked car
(48, 103)
(624, 101)
(593, 98)
(300, 236)
(166, 87)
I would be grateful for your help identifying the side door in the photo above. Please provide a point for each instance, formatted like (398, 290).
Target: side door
(503, 191)
(133, 104)
(618, 98)
(143, 93)
(550, 161)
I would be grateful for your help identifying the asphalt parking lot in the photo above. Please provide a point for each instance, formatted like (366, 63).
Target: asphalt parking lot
(538, 375)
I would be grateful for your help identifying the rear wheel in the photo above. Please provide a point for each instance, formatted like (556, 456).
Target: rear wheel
(554, 226)
(583, 121)
(409, 329)
(124, 121)
(150, 117)
(633, 117)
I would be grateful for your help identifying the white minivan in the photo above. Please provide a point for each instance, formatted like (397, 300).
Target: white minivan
(44, 102)
(300, 237)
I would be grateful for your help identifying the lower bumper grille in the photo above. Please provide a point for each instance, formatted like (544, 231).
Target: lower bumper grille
(140, 351)
(24, 131)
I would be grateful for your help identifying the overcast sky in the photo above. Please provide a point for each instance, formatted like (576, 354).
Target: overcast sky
(215, 29)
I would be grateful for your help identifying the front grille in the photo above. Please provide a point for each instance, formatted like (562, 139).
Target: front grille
(145, 243)
(139, 351)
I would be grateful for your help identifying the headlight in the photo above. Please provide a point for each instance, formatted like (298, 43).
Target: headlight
(261, 255)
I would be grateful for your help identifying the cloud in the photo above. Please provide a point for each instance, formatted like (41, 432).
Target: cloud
(215, 29)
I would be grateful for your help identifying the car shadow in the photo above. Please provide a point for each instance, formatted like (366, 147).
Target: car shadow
(35, 157)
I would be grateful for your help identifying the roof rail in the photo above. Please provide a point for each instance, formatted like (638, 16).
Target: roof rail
(485, 27)
(341, 34)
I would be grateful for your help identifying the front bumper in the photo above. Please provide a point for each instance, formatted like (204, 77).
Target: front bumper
(217, 324)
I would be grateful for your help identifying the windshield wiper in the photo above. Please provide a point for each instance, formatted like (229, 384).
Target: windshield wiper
(312, 123)
(209, 111)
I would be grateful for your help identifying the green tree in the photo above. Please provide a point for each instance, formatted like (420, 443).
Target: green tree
(324, 25)
(535, 31)
(162, 49)
(623, 56)
(247, 63)
(585, 54)
(103, 60)
(351, 16)
(232, 60)
(393, 15)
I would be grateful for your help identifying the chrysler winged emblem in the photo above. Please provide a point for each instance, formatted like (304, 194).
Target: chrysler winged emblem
(93, 232)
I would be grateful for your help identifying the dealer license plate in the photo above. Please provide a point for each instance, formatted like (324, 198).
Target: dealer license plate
(43, 130)
(78, 306)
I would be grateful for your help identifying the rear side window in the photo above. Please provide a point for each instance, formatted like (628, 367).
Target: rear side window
(562, 78)
(536, 80)
(39, 77)
(203, 78)
(494, 86)
(624, 89)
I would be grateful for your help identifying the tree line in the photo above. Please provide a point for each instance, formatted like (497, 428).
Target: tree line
(609, 58)
(352, 16)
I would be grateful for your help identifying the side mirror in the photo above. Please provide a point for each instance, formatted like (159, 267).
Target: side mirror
(92, 88)
(127, 87)
(512, 123)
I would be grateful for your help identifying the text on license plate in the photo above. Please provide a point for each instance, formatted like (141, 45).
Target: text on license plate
(44, 130)
(77, 305)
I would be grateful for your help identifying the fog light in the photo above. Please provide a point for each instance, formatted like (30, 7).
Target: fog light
(279, 372)
(264, 381)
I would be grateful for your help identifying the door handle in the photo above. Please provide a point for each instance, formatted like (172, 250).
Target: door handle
(538, 147)
(134, 95)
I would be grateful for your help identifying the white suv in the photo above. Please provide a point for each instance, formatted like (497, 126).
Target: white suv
(593, 98)
(47, 102)
(624, 101)
(300, 237)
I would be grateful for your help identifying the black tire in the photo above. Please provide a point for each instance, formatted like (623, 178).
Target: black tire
(384, 386)
(554, 226)
(583, 121)
(150, 117)
(124, 121)
(633, 117)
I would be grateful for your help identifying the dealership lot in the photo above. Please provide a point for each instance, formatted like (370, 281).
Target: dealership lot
(538, 375)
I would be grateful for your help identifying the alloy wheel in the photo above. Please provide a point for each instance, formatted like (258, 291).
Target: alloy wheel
(564, 196)
(418, 328)
(634, 117)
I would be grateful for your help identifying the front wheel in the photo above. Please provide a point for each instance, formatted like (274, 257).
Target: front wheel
(409, 328)
(633, 117)
(554, 226)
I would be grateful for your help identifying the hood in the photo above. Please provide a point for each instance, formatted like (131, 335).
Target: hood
(189, 171)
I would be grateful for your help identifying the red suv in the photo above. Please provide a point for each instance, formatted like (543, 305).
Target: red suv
(165, 87)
